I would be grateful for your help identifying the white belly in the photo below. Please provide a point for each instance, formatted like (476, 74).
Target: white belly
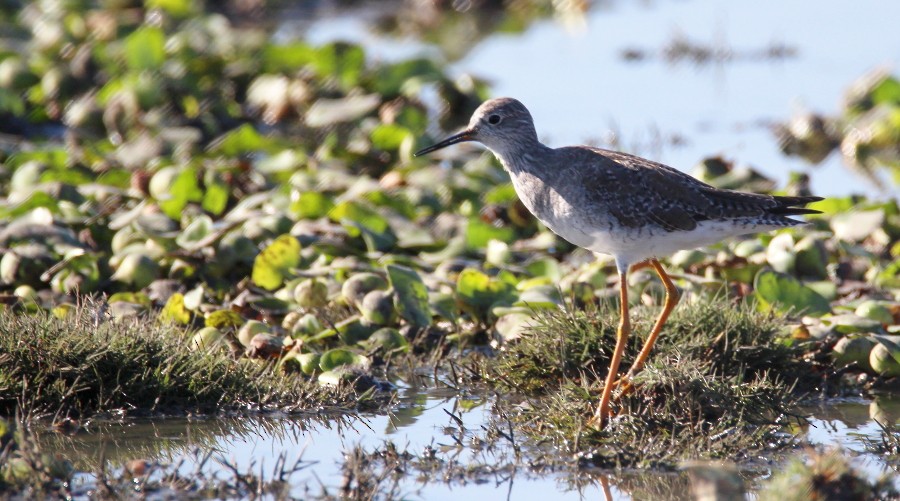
(630, 247)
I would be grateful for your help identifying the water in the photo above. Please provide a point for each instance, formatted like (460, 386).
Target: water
(849, 424)
(421, 421)
(580, 89)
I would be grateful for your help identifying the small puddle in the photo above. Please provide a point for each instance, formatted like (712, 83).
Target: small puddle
(432, 419)
(851, 424)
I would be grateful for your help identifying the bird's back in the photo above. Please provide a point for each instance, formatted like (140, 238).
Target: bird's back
(595, 198)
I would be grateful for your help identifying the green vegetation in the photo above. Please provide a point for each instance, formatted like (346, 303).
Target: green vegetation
(866, 130)
(720, 384)
(265, 190)
(86, 364)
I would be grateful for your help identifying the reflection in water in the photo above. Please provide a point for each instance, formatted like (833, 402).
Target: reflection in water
(435, 442)
(169, 440)
(438, 438)
(851, 425)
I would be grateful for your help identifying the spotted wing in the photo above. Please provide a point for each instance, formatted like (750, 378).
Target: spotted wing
(638, 191)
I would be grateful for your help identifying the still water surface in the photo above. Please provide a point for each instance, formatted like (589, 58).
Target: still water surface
(421, 421)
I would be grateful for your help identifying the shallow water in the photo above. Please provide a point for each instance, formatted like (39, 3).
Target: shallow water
(850, 423)
(580, 88)
(422, 419)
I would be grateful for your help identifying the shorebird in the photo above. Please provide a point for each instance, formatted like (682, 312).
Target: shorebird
(609, 202)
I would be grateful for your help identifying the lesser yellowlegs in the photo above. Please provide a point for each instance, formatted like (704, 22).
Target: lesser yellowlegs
(619, 204)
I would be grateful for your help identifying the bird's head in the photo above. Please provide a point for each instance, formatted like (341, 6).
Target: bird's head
(502, 124)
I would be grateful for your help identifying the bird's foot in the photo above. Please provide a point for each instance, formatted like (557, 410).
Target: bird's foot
(621, 388)
(598, 421)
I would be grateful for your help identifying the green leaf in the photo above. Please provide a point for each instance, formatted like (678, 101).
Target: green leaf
(411, 295)
(389, 136)
(336, 378)
(413, 118)
(176, 8)
(311, 205)
(11, 102)
(287, 58)
(886, 92)
(784, 293)
(501, 194)
(224, 319)
(175, 311)
(389, 339)
(396, 201)
(53, 158)
(889, 277)
(390, 79)
(892, 343)
(780, 253)
(131, 297)
(280, 166)
(443, 304)
(341, 60)
(541, 296)
(145, 49)
(33, 201)
(360, 220)
(275, 261)
(242, 140)
(834, 205)
(215, 198)
(545, 267)
(849, 323)
(479, 292)
(338, 357)
(118, 178)
(479, 233)
(196, 231)
(184, 189)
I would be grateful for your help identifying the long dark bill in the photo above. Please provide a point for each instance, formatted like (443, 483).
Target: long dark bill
(462, 137)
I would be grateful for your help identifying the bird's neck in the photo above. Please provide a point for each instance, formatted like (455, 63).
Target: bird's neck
(522, 156)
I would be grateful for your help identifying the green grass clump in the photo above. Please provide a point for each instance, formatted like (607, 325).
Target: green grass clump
(720, 383)
(86, 364)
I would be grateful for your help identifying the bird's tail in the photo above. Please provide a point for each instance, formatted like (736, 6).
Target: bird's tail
(790, 206)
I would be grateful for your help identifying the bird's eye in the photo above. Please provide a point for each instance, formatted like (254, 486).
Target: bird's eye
(494, 119)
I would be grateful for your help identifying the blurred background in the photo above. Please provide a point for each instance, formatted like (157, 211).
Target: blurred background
(767, 85)
(673, 80)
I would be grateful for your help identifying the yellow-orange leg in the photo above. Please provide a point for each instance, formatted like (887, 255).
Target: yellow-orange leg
(672, 297)
(602, 413)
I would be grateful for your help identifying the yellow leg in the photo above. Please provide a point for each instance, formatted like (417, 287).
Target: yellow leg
(602, 413)
(672, 297)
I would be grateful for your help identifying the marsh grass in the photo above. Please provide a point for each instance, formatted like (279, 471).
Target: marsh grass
(720, 383)
(85, 364)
